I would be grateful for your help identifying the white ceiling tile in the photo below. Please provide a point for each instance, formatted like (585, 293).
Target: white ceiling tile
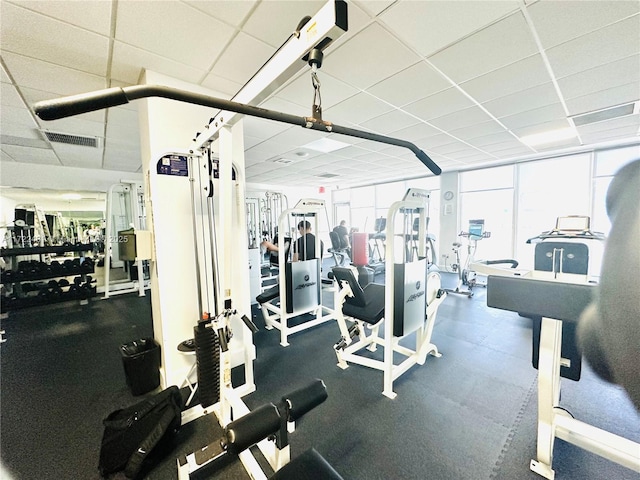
(512, 78)
(121, 156)
(603, 99)
(417, 81)
(542, 126)
(511, 152)
(279, 104)
(31, 155)
(606, 45)
(374, 8)
(94, 15)
(295, 137)
(620, 72)
(223, 85)
(416, 132)
(450, 148)
(5, 157)
(529, 99)
(477, 130)
(74, 126)
(9, 96)
(128, 63)
(462, 118)
(533, 117)
(430, 26)
(572, 142)
(19, 133)
(379, 56)
(496, 138)
(174, 30)
(231, 12)
(79, 156)
(4, 77)
(254, 54)
(262, 23)
(622, 122)
(389, 122)
(260, 128)
(500, 44)
(558, 22)
(47, 77)
(357, 109)
(617, 134)
(52, 40)
(435, 106)
(301, 90)
(17, 116)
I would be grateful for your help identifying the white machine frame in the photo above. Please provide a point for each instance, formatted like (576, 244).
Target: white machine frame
(215, 272)
(132, 191)
(415, 199)
(276, 316)
(553, 421)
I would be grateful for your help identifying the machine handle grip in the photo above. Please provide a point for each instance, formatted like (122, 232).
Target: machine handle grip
(305, 399)
(82, 103)
(430, 164)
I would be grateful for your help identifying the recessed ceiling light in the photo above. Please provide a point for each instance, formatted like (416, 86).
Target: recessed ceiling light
(302, 154)
(549, 137)
(325, 145)
(71, 196)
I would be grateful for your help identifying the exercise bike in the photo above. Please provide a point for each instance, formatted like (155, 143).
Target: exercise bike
(466, 276)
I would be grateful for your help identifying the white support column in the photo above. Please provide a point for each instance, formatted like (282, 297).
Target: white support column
(167, 126)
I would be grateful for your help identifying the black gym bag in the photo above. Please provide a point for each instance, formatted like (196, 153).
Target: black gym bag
(135, 437)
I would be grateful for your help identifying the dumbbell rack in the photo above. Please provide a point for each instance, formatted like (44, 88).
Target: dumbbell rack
(35, 282)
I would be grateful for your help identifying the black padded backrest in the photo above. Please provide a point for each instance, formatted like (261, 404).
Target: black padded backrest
(575, 257)
(380, 225)
(273, 256)
(344, 274)
(335, 240)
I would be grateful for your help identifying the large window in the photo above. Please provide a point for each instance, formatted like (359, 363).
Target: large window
(488, 195)
(549, 189)
(607, 163)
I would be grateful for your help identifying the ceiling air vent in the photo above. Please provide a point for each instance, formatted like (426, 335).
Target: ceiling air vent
(604, 114)
(72, 139)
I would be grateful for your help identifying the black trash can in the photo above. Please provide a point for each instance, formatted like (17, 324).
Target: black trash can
(141, 361)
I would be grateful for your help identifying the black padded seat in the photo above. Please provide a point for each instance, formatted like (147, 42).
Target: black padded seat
(268, 295)
(308, 466)
(366, 304)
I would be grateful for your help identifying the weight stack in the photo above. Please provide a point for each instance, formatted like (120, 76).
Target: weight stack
(207, 364)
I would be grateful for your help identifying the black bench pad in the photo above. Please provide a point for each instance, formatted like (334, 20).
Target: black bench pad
(268, 295)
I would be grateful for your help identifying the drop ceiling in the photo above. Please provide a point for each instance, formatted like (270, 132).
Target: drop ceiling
(463, 80)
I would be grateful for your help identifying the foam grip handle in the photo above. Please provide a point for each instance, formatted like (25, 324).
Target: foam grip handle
(305, 399)
(250, 325)
(251, 429)
(77, 104)
(430, 164)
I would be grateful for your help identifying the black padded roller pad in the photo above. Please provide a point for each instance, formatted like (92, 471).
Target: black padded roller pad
(305, 399)
(252, 428)
(308, 466)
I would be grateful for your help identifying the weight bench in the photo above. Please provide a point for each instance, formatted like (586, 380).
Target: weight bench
(268, 423)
